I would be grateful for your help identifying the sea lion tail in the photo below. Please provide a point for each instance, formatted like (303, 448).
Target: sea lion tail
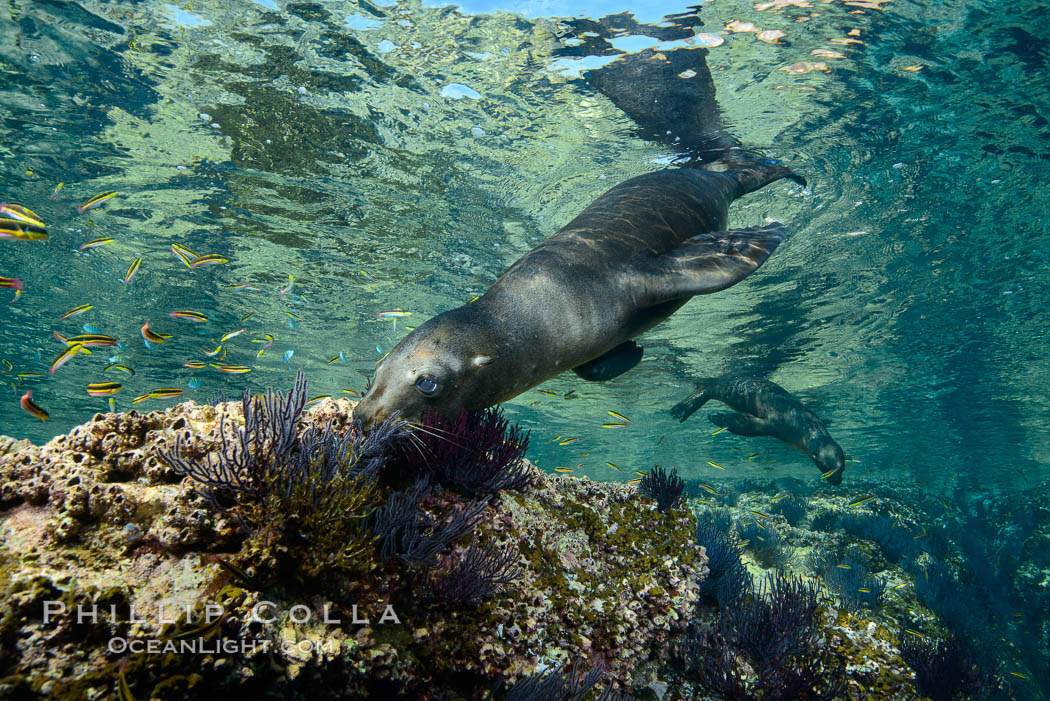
(751, 170)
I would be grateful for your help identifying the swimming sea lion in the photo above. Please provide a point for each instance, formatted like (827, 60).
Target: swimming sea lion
(765, 408)
(626, 263)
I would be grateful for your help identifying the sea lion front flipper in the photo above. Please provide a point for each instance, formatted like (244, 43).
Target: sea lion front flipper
(709, 262)
(741, 424)
(612, 364)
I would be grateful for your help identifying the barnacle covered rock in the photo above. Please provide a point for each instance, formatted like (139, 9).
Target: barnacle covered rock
(184, 592)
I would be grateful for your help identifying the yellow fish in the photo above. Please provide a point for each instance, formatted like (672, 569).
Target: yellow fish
(103, 389)
(67, 355)
(132, 269)
(75, 311)
(190, 315)
(153, 336)
(96, 201)
(715, 464)
(210, 259)
(96, 243)
(32, 407)
(184, 254)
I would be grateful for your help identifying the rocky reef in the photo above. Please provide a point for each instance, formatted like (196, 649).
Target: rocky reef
(123, 577)
(267, 547)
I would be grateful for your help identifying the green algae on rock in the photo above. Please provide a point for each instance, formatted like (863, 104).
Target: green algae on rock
(189, 603)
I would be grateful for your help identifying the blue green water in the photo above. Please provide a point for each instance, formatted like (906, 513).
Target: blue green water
(403, 155)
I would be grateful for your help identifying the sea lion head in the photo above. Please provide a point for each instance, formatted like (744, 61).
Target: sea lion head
(828, 457)
(440, 366)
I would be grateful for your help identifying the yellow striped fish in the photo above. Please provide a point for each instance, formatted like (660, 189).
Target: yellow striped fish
(67, 355)
(103, 389)
(132, 269)
(96, 201)
(189, 315)
(153, 336)
(210, 259)
(96, 243)
(76, 311)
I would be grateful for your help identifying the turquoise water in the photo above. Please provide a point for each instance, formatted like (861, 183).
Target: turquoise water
(401, 156)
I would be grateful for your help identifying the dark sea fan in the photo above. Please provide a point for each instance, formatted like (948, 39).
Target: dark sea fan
(769, 647)
(663, 486)
(776, 624)
(555, 684)
(246, 458)
(728, 581)
(792, 508)
(476, 576)
(475, 453)
(405, 531)
(891, 535)
(324, 451)
(766, 544)
(946, 670)
(849, 579)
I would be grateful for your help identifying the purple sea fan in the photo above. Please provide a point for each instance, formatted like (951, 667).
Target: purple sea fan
(663, 486)
(478, 575)
(475, 453)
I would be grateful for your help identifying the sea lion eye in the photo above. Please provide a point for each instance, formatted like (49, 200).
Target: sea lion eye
(426, 385)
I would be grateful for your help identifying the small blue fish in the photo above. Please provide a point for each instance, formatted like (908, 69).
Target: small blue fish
(288, 355)
(379, 350)
(88, 328)
(149, 345)
(193, 383)
(292, 324)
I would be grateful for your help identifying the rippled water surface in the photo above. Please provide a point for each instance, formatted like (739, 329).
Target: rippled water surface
(403, 155)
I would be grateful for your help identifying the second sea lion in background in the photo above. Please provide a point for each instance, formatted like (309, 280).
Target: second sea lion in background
(764, 408)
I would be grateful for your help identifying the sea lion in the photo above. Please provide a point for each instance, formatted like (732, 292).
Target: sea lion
(626, 263)
(765, 408)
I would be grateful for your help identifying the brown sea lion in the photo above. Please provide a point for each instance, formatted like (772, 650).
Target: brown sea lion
(626, 263)
(764, 408)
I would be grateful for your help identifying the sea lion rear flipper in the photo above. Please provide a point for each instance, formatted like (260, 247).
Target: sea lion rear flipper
(741, 424)
(709, 262)
(612, 364)
(688, 406)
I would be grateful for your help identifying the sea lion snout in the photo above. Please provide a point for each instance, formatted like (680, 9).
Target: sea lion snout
(426, 371)
(831, 459)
